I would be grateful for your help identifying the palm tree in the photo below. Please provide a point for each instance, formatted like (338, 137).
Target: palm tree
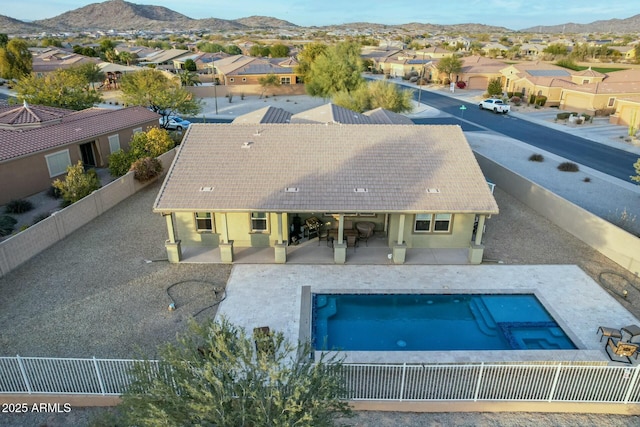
(125, 57)
(189, 78)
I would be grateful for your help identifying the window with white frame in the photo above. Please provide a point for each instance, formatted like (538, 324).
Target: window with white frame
(114, 143)
(422, 223)
(137, 130)
(58, 162)
(204, 221)
(285, 80)
(258, 221)
(432, 223)
(442, 223)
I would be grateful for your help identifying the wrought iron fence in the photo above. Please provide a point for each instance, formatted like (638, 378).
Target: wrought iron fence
(557, 382)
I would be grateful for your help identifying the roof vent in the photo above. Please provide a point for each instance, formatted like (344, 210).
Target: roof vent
(433, 190)
(247, 144)
(206, 189)
(258, 131)
(360, 190)
(291, 190)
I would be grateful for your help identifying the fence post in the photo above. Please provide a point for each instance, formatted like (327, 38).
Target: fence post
(24, 373)
(95, 365)
(632, 383)
(404, 373)
(555, 383)
(475, 396)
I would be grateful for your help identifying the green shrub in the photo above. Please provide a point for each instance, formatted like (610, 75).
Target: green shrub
(54, 193)
(510, 94)
(515, 100)
(18, 206)
(587, 179)
(146, 169)
(78, 183)
(536, 158)
(586, 117)
(518, 94)
(563, 116)
(568, 167)
(7, 224)
(532, 99)
(540, 100)
(119, 163)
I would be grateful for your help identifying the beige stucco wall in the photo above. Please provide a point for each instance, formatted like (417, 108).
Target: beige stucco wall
(627, 112)
(459, 237)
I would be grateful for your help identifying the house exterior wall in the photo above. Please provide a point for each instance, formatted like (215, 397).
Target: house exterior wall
(459, 236)
(25, 176)
(577, 101)
(627, 113)
(251, 79)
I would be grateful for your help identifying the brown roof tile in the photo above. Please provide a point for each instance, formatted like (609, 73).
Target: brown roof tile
(75, 127)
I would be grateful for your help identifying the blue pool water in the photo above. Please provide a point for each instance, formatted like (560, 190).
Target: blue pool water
(419, 322)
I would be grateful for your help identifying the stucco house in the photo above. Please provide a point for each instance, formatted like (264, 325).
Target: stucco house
(236, 186)
(239, 70)
(602, 93)
(37, 143)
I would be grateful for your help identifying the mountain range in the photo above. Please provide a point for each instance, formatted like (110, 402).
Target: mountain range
(120, 15)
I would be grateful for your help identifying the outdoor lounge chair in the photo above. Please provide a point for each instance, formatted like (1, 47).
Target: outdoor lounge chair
(631, 334)
(608, 332)
(621, 349)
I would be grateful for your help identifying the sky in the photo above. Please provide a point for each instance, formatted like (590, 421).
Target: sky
(512, 14)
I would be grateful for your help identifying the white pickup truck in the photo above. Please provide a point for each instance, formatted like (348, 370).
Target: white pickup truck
(495, 105)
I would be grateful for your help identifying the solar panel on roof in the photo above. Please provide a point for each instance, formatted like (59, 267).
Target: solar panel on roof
(549, 73)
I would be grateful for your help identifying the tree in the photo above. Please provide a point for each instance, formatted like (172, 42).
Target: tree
(190, 65)
(151, 143)
(270, 80)
(279, 51)
(92, 73)
(338, 69)
(77, 183)
(258, 50)
(4, 39)
(210, 47)
(556, 49)
(154, 90)
(377, 94)
(15, 60)
(188, 78)
(449, 65)
(215, 376)
(63, 88)
(494, 87)
(232, 49)
(307, 57)
(125, 57)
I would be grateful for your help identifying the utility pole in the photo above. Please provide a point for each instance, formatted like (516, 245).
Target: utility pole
(420, 81)
(215, 83)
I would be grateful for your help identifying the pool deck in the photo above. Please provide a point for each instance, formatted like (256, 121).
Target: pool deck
(272, 295)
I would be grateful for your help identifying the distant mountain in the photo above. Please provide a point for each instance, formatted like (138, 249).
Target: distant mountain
(117, 15)
(264, 22)
(14, 26)
(616, 26)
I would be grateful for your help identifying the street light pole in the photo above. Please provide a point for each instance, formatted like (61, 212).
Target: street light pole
(420, 81)
(215, 91)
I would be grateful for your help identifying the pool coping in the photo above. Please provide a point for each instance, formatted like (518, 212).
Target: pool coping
(273, 295)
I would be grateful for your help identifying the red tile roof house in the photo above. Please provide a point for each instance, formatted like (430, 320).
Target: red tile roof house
(37, 143)
(237, 186)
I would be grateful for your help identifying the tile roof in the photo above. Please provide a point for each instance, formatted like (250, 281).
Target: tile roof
(75, 127)
(396, 165)
(268, 114)
(382, 116)
(25, 115)
(330, 113)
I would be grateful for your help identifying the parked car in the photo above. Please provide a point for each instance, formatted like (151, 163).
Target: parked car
(174, 123)
(495, 105)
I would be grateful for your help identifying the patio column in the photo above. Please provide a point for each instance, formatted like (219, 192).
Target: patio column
(280, 247)
(226, 247)
(339, 246)
(400, 248)
(174, 250)
(476, 250)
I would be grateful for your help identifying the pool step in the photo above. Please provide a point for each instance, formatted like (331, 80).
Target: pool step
(485, 321)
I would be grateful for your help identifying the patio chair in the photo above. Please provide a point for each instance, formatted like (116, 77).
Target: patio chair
(631, 334)
(365, 230)
(608, 332)
(621, 349)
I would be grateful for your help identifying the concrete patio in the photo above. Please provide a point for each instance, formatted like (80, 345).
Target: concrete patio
(273, 295)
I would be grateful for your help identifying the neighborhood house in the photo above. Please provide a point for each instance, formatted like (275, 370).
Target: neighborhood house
(255, 185)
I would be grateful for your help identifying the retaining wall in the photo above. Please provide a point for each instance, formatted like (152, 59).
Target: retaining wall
(28, 243)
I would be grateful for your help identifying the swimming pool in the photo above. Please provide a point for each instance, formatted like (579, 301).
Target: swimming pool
(427, 322)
